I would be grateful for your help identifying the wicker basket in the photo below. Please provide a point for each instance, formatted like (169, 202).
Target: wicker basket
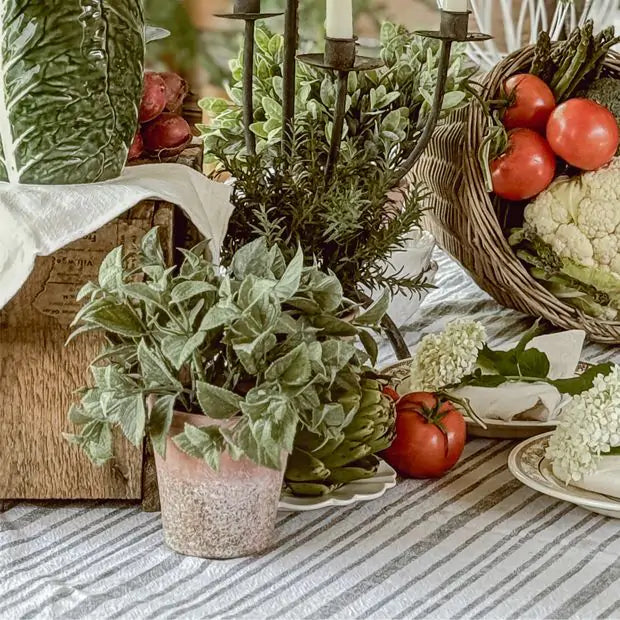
(465, 219)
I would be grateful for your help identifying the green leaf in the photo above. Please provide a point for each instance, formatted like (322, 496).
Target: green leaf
(151, 247)
(142, 292)
(337, 354)
(502, 362)
(615, 451)
(111, 270)
(131, 416)
(116, 318)
(292, 369)
(219, 316)
(583, 382)
(160, 420)
(186, 290)
(480, 380)
(376, 312)
(252, 258)
(204, 443)
(370, 346)
(533, 363)
(216, 402)
(289, 283)
(332, 326)
(155, 371)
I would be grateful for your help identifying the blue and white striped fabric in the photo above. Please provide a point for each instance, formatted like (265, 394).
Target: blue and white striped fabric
(475, 544)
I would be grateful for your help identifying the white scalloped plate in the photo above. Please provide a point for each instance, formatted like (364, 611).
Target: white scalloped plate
(360, 491)
(528, 464)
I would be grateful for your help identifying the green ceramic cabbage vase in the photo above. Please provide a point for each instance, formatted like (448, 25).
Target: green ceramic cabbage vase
(70, 86)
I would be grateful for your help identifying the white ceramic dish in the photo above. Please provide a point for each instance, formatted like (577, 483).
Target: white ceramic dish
(528, 464)
(361, 491)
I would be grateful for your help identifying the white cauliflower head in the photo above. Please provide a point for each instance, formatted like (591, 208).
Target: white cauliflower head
(580, 217)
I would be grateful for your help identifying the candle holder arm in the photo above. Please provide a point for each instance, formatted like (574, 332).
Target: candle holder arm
(431, 122)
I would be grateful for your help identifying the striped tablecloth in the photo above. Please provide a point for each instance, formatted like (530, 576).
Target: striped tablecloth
(475, 544)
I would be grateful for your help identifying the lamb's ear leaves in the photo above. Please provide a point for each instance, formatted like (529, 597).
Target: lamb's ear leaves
(584, 382)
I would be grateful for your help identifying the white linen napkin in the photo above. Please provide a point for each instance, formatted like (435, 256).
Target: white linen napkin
(531, 401)
(38, 220)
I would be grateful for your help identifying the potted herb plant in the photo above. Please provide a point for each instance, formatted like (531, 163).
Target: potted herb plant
(227, 372)
(364, 215)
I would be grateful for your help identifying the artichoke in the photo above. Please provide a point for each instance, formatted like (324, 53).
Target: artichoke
(317, 467)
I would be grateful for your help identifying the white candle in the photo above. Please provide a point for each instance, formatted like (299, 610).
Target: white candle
(456, 6)
(339, 23)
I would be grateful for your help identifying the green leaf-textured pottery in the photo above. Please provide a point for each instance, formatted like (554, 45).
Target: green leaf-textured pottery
(70, 85)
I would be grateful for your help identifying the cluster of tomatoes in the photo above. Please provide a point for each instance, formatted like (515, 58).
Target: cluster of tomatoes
(581, 132)
(430, 435)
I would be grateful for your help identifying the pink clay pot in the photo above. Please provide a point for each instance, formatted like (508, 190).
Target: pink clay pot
(225, 514)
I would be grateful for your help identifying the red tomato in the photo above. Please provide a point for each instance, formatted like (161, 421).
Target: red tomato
(583, 133)
(532, 102)
(526, 168)
(430, 436)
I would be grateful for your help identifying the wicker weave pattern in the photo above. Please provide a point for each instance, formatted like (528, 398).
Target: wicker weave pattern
(464, 218)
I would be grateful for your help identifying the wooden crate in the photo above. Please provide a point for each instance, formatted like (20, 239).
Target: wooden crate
(39, 375)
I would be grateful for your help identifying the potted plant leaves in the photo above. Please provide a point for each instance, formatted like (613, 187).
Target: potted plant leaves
(228, 371)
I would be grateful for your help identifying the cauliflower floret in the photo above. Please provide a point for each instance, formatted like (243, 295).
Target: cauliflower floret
(540, 215)
(570, 242)
(579, 217)
(598, 219)
(605, 250)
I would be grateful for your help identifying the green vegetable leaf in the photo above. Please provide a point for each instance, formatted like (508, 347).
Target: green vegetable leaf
(533, 363)
(216, 402)
(94, 104)
(583, 382)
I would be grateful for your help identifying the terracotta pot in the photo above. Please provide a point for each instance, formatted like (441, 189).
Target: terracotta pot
(225, 514)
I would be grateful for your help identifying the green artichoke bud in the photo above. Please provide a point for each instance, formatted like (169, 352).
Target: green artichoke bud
(318, 466)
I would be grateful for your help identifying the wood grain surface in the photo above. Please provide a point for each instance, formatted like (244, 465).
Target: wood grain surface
(39, 375)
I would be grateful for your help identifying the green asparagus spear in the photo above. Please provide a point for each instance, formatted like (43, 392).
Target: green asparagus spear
(568, 54)
(542, 54)
(567, 77)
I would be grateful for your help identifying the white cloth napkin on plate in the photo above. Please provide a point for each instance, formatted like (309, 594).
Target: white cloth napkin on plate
(531, 401)
(38, 220)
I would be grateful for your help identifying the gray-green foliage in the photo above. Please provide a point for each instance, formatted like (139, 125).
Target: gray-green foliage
(269, 342)
(386, 108)
(354, 225)
(70, 84)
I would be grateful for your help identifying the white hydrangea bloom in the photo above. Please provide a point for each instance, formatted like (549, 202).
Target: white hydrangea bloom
(444, 359)
(588, 427)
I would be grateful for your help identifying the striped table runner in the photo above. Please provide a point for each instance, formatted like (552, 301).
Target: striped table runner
(475, 544)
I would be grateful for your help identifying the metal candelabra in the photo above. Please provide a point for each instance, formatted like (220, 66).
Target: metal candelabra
(341, 57)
